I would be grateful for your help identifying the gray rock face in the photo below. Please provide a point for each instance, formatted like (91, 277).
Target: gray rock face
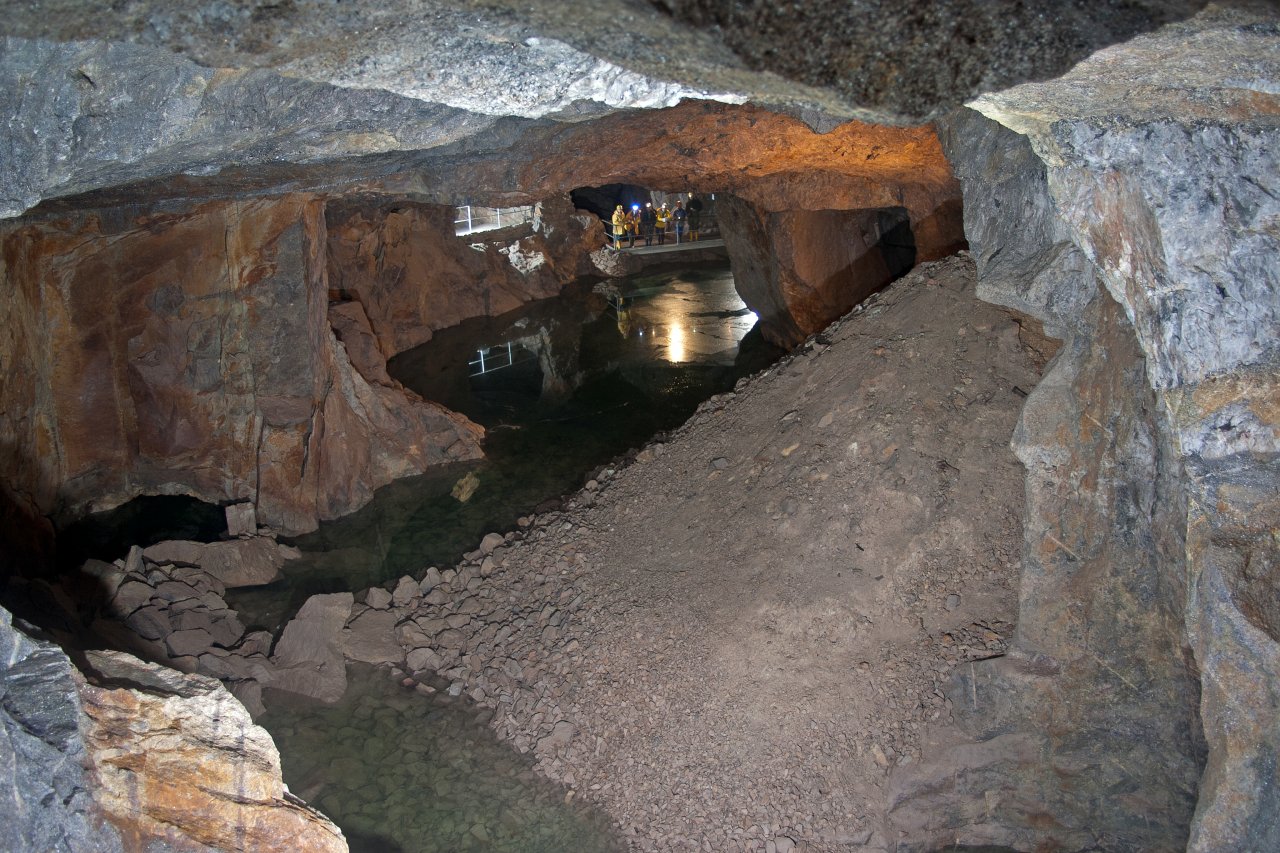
(44, 798)
(1194, 260)
(1187, 185)
(916, 59)
(1101, 594)
(1152, 445)
(289, 92)
(109, 114)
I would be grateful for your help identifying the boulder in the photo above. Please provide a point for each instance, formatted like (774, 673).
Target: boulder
(309, 656)
(371, 638)
(189, 642)
(181, 766)
(236, 562)
(406, 591)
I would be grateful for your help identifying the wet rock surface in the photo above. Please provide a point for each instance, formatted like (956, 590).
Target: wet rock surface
(739, 662)
(421, 773)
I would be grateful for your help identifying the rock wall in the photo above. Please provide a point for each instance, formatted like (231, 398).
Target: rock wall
(1147, 645)
(801, 269)
(412, 277)
(191, 353)
(45, 799)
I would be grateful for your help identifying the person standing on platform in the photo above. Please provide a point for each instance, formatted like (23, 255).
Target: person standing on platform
(633, 225)
(648, 220)
(681, 217)
(695, 215)
(664, 216)
(619, 227)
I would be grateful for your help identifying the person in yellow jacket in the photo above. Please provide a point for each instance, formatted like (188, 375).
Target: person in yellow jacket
(664, 216)
(619, 227)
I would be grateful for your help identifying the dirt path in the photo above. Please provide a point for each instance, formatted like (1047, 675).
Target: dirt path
(729, 642)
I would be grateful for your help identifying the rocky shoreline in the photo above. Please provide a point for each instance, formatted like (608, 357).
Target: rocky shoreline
(729, 639)
(595, 636)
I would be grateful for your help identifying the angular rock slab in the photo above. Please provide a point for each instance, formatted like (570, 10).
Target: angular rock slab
(310, 655)
(182, 766)
(237, 562)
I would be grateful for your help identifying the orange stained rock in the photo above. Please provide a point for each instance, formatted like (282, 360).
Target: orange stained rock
(723, 147)
(189, 768)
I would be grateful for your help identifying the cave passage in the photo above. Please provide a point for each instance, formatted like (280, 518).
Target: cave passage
(568, 384)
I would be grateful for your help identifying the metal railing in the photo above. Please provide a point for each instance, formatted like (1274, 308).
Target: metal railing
(473, 218)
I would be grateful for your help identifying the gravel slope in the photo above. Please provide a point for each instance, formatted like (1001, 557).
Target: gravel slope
(730, 640)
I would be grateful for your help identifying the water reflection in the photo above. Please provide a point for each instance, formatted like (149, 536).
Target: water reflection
(591, 375)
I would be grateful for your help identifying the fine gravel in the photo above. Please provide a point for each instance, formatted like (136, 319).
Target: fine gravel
(730, 639)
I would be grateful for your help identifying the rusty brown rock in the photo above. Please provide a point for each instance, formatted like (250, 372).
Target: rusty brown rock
(192, 354)
(801, 269)
(402, 265)
(180, 763)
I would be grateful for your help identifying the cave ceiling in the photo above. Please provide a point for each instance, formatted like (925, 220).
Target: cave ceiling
(111, 102)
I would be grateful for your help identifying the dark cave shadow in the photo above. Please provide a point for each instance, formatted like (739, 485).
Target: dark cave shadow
(367, 842)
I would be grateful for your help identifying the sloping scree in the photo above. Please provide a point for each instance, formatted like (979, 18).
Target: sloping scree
(729, 640)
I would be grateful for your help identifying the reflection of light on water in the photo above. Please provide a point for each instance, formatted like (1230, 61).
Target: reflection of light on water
(675, 343)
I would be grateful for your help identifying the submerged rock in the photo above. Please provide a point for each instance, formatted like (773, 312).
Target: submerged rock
(309, 656)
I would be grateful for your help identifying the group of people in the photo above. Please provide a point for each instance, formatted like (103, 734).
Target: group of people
(649, 222)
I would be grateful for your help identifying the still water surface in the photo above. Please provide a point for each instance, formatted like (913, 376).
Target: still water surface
(580, 379)
(563, 386)
(398, 771)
